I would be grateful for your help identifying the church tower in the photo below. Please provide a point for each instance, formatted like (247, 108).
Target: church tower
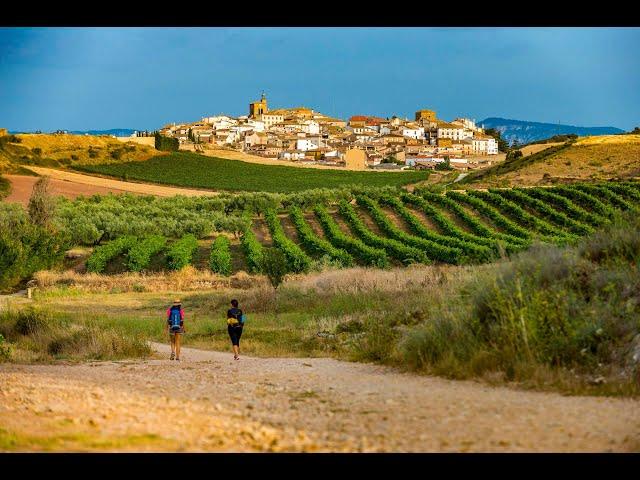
(258, 108)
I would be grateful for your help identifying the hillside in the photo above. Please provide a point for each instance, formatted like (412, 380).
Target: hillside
(590, 158)
(64, 150)
(525, 132)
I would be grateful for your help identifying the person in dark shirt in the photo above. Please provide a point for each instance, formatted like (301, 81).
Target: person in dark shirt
(234, 327)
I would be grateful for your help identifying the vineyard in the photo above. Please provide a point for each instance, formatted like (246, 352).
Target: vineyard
(185, 169)
(375, 227)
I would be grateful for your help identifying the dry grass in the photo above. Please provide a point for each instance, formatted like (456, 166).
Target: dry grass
(589, 159)
(610, 140)
(538, 147)
(368, 280)
(60, 147)
(187, 279)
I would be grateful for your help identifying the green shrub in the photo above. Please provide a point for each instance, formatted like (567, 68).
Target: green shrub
(167, 144)
(181, 252)
(220, 259)
(5, 349)
(101, 256)
(252, 249)
(25, 247)
(139, 255)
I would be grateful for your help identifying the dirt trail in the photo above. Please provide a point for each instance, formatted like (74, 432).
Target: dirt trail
(208, 402)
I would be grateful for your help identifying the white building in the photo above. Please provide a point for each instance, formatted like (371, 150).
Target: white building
(291, 155)
(453, 131)
(306, 144)
(468, 124)
(256, 125)
(484, 145)
(311, 127)
(412, 132)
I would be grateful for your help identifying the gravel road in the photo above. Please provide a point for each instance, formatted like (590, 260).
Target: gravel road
(209, 402)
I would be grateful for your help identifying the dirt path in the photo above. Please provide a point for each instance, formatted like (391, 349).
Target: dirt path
(208, 402)
(93, 184)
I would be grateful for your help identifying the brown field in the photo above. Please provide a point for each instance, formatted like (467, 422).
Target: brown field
(71, 185)
(22, 185)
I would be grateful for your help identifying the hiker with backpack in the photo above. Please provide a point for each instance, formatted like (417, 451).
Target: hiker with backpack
(175, 328)
(235, 323)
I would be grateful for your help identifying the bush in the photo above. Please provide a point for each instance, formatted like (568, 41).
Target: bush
(252, 249)
(5, 350)
(140, 254)
(37, 151)
(181, 252)
(167, 144)
(116, 154)
(220, 259)
(98, 260)
(26, 247)
(31, 321)
(41, 204)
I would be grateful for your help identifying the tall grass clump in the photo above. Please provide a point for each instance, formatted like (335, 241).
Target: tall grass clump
(36, 334)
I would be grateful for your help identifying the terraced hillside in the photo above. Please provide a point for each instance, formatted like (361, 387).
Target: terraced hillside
(375, 229)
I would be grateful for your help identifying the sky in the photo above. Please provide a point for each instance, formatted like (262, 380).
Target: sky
(144, 78)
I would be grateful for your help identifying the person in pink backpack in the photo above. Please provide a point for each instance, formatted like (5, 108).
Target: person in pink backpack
(175, 327)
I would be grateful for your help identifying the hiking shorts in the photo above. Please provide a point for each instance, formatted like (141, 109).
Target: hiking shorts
(234, 334)
(171, 332)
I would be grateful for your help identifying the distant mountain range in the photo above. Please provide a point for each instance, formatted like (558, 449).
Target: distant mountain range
(525, 132)
(118, 132)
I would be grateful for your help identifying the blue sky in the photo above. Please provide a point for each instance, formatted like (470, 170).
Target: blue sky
(143, 78)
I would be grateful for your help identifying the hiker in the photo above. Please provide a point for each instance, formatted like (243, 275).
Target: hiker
(175, 327)
(235, 322)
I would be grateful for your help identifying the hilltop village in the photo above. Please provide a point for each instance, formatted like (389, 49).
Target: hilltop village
(304, 135)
